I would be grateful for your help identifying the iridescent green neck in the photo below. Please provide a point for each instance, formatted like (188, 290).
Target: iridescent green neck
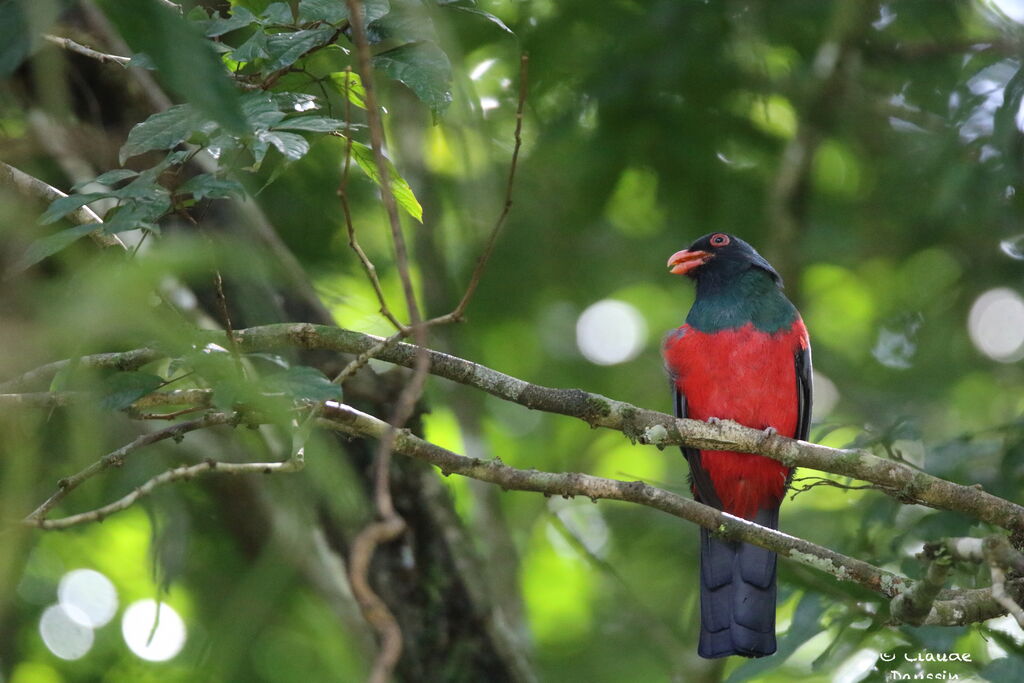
(748, 297)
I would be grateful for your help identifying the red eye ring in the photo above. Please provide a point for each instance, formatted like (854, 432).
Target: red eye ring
(719, 240)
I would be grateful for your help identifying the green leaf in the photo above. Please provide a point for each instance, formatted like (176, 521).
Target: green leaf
(161, 131)
(62, 379)
(313, 124)
(206, 185)
(303, 382)
(353, 89)
(1004, 670)
(374, 10)
(187, 63)
(488, 16)
(406, 23)
(65, 205)
(331, 11)
(261, 111)
(51, 244)
(15, 36)
(139, 213)
(424, 68)
(399, 187)
(140, 60)
(109, 178)
(278, 13)
(291, 145)
(119, 391)
(240, 18)
(284, 49)
(252, 49)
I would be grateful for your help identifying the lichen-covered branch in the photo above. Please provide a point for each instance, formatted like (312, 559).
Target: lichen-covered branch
(71, 45)
(913, 605)
(898, 480)
(346, 418)
(34, 188)
(995, 551)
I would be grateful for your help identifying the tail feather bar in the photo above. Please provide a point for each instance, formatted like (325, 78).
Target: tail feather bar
(737, 595)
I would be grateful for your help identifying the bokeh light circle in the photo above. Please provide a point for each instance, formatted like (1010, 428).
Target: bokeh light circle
(88, 595)
(64, 633)
(996, 324)
(157, 645)
(610, 332)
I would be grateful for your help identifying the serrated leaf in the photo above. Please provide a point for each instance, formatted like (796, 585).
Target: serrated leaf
(164, 130)
(399, 187)
(65, 205)
(284, 49)
(313, 124)
(424, 68)
(292, 145)
(188, 64)
(348, 83)
(125, 388)
(303, 382)
(488, 16)
(240, 18)
(51, 244)
(109, 178)
(331, 11)
(206, 185)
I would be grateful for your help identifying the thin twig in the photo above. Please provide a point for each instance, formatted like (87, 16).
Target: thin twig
(363, 358)
(353, 243)
(177, 474)
(117, 457)
(71, 45)
(481, 263)
(390, 524)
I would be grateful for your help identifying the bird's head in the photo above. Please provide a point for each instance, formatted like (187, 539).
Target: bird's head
(719, 257)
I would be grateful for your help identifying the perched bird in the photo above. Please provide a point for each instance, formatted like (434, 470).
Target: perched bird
(742, 355)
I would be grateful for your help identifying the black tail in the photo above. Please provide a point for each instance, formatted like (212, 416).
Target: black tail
(737, 595)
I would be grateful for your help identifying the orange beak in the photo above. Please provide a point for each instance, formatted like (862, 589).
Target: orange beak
(682, 262)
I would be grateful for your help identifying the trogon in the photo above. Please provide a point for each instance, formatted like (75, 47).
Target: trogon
(744, 355)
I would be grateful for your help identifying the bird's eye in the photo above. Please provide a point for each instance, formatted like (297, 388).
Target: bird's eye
(719, 240)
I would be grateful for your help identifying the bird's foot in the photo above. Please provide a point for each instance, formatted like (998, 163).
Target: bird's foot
(713, 420)
(767, 433)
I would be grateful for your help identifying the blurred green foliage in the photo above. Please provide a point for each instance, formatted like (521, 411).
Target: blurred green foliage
(648, 124)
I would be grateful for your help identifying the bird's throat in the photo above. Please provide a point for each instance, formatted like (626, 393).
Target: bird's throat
(748, 297)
